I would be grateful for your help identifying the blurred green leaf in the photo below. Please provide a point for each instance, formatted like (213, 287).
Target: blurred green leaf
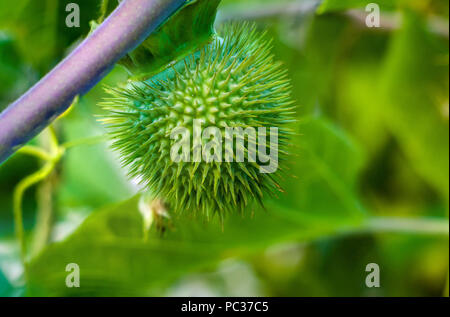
(15, 76)
(340, 5)
(326, 171)
(10, 64)
(414, 90)
(40, 28)
(357, 103)
(5, 287)
(114, 259)
(91, 176)
(247, 2)
(314, 67)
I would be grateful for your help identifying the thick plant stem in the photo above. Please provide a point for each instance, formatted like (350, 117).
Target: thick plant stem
(121, 32)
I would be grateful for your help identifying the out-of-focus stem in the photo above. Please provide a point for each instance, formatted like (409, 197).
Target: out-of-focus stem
(121, 32)
(408, 225)
(19, 191)
(44, 216)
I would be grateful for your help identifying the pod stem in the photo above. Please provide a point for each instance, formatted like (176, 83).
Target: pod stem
(128, 26)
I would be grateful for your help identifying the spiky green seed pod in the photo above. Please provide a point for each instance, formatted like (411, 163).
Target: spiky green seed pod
(233, 82)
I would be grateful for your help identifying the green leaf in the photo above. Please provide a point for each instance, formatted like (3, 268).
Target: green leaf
(33, 23)
(10, 64)
(341, 5)
(357, 106)
(91, 176)
(315, 65)
(327, 167)
(184, 33)
(115, 260)
(414, 94)
(5, 286)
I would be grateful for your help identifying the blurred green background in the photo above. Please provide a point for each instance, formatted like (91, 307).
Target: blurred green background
(368, 181)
